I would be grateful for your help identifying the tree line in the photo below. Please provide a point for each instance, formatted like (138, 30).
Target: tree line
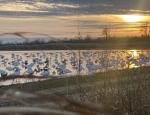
(106, 37)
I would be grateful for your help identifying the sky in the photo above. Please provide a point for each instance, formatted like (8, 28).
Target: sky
(65, 18)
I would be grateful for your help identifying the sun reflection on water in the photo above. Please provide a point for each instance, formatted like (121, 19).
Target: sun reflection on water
(134, 53)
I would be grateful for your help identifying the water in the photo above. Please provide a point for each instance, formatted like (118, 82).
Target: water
(64, 62)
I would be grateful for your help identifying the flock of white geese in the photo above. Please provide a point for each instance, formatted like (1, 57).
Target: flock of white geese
(69, 63)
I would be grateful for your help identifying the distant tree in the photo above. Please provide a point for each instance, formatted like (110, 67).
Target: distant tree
(42, 41)
(37, 41)
(58, 40)
(16, 42)
(25, 42)
(106, 33)
(65, 39)
(145, 29)
(50, 41)
(79, 36)
(88, 38)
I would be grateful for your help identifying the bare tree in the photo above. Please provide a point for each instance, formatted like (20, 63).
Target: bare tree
(106, 33)
(88, 37)
(79, 36)
(145, 29)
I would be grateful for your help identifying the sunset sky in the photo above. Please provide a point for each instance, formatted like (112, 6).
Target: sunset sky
(62, 18)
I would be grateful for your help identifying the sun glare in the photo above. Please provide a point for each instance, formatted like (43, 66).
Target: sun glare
(132, 18)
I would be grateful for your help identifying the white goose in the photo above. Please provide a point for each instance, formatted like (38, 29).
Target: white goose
(30, 71)
(16, 71)
(46, 72)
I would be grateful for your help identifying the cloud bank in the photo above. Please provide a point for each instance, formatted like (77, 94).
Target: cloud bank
(72, 7)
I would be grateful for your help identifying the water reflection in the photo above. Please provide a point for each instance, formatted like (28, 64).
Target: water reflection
(62, 63)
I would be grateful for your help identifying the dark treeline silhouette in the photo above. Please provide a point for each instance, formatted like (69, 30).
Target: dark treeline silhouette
(84, 43)
(113, 40)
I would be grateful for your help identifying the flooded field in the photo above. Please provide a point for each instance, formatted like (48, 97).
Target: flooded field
(65, 62)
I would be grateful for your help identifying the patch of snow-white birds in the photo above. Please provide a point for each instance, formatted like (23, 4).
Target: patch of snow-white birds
(68, 63)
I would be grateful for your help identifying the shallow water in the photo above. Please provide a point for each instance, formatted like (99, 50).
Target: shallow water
(65, 62)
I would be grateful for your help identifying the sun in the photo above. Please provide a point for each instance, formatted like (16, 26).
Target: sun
(132, 18)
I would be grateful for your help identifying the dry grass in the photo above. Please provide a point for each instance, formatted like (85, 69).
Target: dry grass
(129, 94)
(62, 104)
